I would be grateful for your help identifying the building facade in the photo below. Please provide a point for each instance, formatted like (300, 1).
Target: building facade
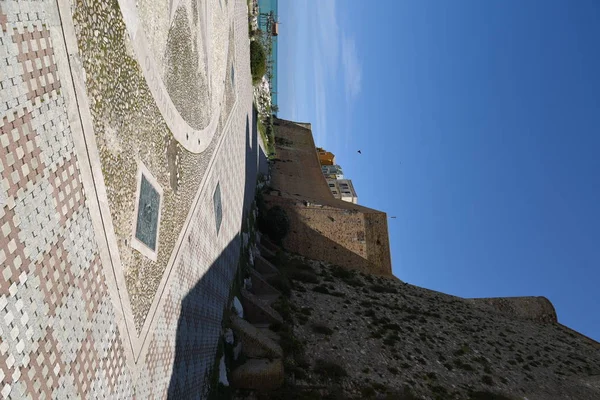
(325, 157)
(342, 189)
(332, 171)
(334, 187)
(347, 192)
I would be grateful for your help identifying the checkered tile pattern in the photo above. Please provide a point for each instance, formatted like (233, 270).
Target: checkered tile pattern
(58, 335)
(20, 162)
(39, 223)
(68, 190)
(12, 250)
(52, 127)
(58, 326)
(36, 56)
(3, 21)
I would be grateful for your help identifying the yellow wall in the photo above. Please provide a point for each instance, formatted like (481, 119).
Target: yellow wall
(326, 157)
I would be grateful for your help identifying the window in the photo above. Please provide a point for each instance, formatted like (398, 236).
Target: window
(334, 191)
(331, 185)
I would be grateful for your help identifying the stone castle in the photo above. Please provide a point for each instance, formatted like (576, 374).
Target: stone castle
(349, 329)
(350, 235)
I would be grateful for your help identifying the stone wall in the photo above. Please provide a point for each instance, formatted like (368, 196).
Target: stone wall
(298, 171)
(536, 308)
(323, 227)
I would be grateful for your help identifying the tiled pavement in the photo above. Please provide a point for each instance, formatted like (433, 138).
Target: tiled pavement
(63, 329)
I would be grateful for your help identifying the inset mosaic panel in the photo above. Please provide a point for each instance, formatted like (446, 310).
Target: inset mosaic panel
(218, 207)
(148, 213)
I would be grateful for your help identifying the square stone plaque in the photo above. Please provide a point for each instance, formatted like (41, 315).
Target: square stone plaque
(147, 214)
(147, 217)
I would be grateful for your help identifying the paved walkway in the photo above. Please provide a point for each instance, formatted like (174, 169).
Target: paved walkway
(83, 314)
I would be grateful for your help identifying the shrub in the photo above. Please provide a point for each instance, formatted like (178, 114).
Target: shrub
(329, 369)
(342, 273)
(485, 395)
(303, 276)
(383, 289)
(462, 365)
(281, 283)
(368, 392)
(322, 329)
(276, 224)
(321, 289)
(258, 61)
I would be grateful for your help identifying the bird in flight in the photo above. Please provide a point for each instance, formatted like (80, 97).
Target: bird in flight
(359, 152)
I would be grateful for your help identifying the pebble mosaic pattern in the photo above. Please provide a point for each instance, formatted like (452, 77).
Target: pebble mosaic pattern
(127, 121)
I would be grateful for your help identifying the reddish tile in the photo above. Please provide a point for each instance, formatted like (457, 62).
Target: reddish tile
(26, 135)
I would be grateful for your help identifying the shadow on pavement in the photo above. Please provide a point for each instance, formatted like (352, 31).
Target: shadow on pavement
(200, 321)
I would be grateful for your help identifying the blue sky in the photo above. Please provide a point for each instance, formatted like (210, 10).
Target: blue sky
(479, 125)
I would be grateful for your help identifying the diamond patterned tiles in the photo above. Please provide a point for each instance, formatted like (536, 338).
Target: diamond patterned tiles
(36, 56)
(20, 162)
(59, 330)
(39, 222)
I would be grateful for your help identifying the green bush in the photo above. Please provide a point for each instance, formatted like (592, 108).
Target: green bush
(276, 224)
(303, 276)
(322, 329)
(329, 369)
(258, 61)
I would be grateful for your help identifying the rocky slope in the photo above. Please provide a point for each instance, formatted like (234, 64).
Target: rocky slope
(349, 335)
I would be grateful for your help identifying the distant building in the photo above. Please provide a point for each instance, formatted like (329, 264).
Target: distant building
(323, 227)
(332, 171)
(342, 189)
(325, 157)
(334, 187)
(347, 192)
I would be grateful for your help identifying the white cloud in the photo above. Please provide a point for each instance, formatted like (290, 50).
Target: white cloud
(320, 130)
(327, 34)
(351, 67)
(322, 48)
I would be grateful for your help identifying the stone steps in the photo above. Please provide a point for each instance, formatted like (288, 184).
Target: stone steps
(269, 333)
(257, 310)
(260, 286)
(258, 374)
(256, 343)
(264, 267)
(263, 369)
(268, 244)
(265, 252)
(268, 298)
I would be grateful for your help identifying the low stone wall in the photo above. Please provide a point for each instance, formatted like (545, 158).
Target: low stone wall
(322, 227)
(535, 308)
(349, 238)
